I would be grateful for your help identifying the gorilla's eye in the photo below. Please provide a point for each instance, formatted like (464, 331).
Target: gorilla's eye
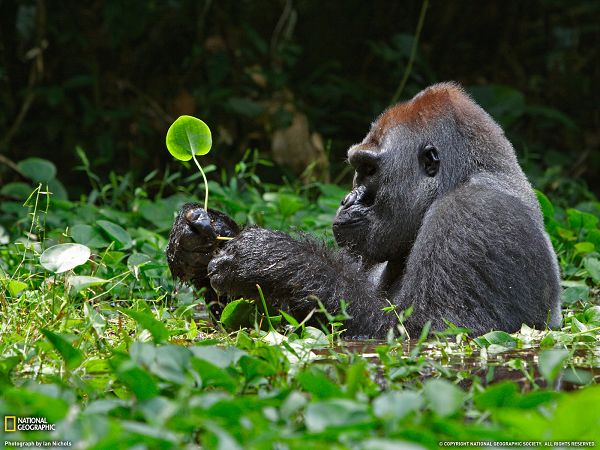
(429, 160)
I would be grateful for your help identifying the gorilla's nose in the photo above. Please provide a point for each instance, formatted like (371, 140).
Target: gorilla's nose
(199, 220)
(349, 199)
(356, 195)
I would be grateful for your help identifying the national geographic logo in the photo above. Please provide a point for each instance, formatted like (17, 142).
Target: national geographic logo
(14, 423)
(10, 424)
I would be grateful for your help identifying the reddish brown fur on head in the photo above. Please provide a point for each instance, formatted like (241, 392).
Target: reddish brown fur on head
(439, 99)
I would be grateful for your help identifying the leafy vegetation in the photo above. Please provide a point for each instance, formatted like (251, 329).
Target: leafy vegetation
(111, 351)
(96, 338)
(113, 77)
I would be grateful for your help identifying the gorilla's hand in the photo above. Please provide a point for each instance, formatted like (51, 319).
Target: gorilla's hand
(193, 241)
(255, 256)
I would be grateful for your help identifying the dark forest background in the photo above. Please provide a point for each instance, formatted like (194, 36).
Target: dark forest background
(297, 80)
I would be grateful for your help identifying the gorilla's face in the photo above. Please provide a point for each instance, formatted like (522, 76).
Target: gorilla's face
(395, 182)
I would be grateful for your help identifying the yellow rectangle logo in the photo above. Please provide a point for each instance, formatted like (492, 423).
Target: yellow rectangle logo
(10, 424)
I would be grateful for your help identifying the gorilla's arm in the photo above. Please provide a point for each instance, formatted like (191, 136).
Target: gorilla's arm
(293, 273)
(479, 252)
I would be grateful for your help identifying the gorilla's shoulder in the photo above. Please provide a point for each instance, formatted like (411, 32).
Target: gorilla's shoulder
(488, 210)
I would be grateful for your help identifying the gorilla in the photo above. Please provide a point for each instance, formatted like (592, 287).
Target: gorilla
(440, 218)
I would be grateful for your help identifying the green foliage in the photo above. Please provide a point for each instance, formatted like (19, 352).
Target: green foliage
(108, 349)
(252, 81)
(96, 337)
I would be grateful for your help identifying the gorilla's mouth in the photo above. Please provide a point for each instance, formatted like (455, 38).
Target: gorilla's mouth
(349, 223)
(350, 231)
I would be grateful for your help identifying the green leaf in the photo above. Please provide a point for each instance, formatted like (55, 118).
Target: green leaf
(551, 361)
(137, 259)
(579, 219)
(15, 287)
(116, 233)
(37, 401)
(574, 293)
(498, 395)
(396, 405)
(577, 416)
(317, 383)
(291, 320)
(37, 169)
(7, 365)
(577, 376)
(188, 136)
(220, 357)
(170, 362)
(138, 380)
(592, 265)
(497, 338)
(212, 375)
(156, 328)
(255, 368)
(593, 236)
(443, 397)
(236, 314)
(88, 235)
(58, 190)
(335, 413)
(592, 315)
(584, 247)
(81, 282)
(546, 206)
(62, 257)
(70, 354)
(17, 190)
(159, 213)
(94, 318)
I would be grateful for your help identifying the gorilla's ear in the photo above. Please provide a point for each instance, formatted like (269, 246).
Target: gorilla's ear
(429, 160)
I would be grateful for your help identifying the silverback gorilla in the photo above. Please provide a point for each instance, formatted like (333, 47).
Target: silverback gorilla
(440, 217)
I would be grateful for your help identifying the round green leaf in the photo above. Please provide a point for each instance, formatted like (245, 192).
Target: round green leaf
(188, 136)
(62, 257)
(37, 169)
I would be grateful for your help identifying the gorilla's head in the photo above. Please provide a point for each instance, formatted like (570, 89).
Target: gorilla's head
(414, 153)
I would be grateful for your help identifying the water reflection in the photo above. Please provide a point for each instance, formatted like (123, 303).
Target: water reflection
(468, 363)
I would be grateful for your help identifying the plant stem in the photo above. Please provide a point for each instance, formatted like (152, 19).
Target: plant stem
(264, 303)
(205, 182)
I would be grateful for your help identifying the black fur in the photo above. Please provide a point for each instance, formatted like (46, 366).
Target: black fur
(441, 217)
